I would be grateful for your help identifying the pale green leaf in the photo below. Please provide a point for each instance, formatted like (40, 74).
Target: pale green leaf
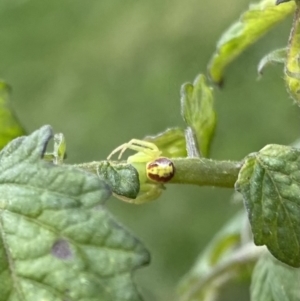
(253, 24)
(197, 110)
(218, 259)
(270, 184)
(277, 56)
(292, 68)
(274, 281)
(171, 142)
(58, 242)
(10, 127)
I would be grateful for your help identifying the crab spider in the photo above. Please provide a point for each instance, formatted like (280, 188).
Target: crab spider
(153, 169)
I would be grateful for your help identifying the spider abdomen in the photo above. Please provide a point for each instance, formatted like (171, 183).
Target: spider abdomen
(160, 170)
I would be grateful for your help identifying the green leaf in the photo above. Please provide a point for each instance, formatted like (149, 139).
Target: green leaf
(292, 68)
(253, 24)
(274, 281)
(58, 242)
(10, 128)
(171, 143)
(270, 184)
(218, 261)
(122, 178)
(277, 56)
(59, 152)
(197, 110)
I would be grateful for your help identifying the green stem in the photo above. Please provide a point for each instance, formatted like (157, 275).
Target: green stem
(206, 172)
(195, 171)
(91, 167)
(226, 270)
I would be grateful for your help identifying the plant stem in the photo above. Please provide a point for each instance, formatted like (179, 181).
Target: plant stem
(226, 270)
(195, 171)
(205, 172)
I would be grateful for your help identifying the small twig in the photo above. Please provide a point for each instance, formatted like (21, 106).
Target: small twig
(223, 271)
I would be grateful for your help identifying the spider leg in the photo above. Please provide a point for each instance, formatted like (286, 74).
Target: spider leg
(143, 147)
(119, 148)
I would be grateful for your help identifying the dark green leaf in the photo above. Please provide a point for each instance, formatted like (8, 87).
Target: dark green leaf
(58, 242)
(274, 281)
(253, 24)
(10, 128)
(197, 110)
(277, 56)
(171, 143)
(270, 184)
(122, 178)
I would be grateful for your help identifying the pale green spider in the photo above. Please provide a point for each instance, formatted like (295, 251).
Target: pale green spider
(153, 169)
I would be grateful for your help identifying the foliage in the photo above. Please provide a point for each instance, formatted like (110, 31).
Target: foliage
(269, 182)
(58, 241)
(9, 126)
(273, 281)
(254, 23)
(198, 113)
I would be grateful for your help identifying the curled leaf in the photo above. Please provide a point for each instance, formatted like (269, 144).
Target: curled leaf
(277, 56)
(253, 24)
(122, 178)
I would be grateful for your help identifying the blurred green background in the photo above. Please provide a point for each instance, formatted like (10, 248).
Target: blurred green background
(103, 72)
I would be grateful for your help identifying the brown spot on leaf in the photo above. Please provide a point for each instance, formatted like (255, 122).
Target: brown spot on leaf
(61, 249)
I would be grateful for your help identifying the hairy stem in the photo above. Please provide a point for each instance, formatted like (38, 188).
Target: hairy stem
(195, 171)
(206, 172)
